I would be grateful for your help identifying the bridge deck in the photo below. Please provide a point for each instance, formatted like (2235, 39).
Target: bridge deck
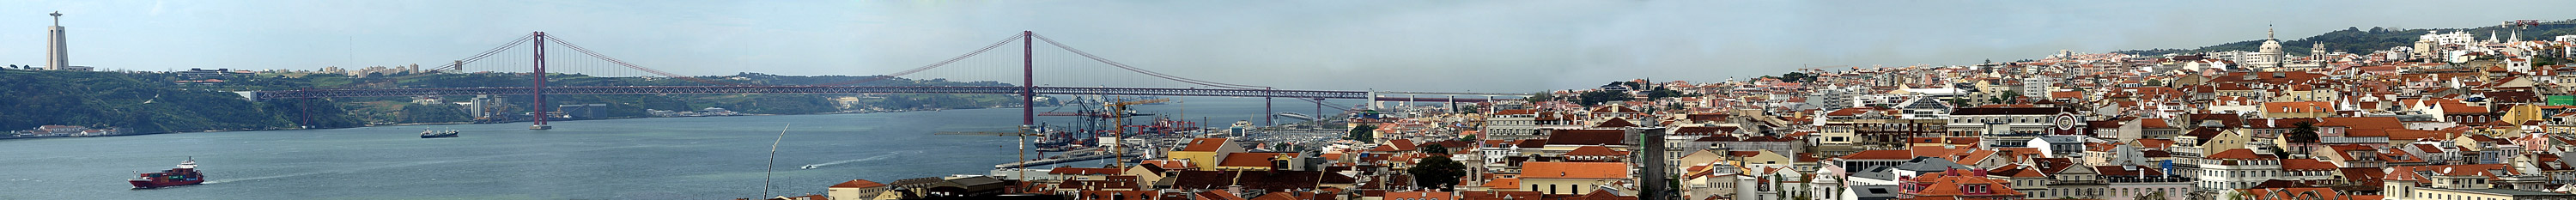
(1303, 94)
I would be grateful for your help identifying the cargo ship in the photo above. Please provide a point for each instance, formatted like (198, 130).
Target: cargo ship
(186, 174)
(437, 134)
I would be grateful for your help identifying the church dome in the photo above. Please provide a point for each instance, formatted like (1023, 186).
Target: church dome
(2271, 46)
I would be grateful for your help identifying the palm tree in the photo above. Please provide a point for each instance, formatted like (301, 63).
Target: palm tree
(2305, 135)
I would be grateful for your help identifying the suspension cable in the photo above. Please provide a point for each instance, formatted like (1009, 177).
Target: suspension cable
(941, 63)
(460, 67)
(1149, 72)
(586, 51)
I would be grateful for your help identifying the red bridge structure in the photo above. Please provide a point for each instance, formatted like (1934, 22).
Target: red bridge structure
(1077, 66)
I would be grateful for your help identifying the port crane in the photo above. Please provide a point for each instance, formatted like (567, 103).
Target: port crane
(1118, 114)
(1024, 133)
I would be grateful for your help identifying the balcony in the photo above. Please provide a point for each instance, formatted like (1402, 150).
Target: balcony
(2149, 179)
(2074, 182)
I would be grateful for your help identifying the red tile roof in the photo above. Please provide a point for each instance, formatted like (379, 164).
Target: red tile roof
(1953, 184)
(1583, 170)
(2367, 122)
(1182, 164)
(1616, 123)
(1503, 183)
(1204, 144)
(858, 183)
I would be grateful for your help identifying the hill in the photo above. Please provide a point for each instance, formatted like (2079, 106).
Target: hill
(2360, 40)
(154, 102)
(109, 99)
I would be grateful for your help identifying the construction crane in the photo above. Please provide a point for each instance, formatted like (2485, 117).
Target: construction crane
(1118, 117)
(2519, 25)
(1024, 133)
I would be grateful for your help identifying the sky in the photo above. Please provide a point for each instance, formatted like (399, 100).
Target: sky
(1453, 46)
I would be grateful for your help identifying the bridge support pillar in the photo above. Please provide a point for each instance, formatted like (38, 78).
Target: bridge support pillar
(1028, 79)
(1319, 113)
(1265, 108)
(1372, 100)
(538, 89)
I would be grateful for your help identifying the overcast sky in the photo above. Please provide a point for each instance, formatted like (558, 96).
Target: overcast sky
(1483, 46)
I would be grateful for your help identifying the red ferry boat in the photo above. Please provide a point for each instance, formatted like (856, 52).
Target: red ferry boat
(186, 174)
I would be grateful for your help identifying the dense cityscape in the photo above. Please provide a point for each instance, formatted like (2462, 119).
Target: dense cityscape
(2480, 113)
(2454, 116)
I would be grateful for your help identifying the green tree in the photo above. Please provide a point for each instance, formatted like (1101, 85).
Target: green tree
(1775, 186)
(1541, 97)
(1601, 96)
(1363, 132)
(1435, 149)
(1795, 77)
(435, 113)
(1437, 172)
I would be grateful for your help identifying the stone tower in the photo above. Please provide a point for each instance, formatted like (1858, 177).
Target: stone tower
(55, 56)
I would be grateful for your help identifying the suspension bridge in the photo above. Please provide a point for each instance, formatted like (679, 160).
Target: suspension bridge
(1062, 63)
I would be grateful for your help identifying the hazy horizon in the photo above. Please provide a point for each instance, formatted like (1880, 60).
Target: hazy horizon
(1535, 45)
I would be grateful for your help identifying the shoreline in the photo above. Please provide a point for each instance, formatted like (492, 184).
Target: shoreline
(461, 123)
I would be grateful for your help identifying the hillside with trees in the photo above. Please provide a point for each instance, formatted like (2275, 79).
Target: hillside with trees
(2365, 40)
(156, 102)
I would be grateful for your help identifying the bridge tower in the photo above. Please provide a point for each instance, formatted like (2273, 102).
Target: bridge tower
(538, 88)
(1028, 79)
(1320, 117)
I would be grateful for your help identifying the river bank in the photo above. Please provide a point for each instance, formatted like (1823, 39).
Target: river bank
(457, 123)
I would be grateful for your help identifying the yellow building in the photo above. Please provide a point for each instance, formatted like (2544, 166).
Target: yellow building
(2300, 109)
(855, 189)
(1205, 152)
(1247, 161)
(1145, 176)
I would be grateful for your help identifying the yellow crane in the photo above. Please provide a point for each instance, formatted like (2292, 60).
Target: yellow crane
(1024, 133)
(1118, 120)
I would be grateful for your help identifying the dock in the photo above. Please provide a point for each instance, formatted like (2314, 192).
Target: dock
(1066, 159)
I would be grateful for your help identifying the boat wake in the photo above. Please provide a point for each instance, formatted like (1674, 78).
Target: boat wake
(352, 170)
(870, 158)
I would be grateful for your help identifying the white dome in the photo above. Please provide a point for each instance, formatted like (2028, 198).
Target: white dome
(2271, 47)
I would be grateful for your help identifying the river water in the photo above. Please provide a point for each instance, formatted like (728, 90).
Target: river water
(654, 158)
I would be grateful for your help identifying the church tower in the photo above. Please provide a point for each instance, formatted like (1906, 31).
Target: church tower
(2317, 54)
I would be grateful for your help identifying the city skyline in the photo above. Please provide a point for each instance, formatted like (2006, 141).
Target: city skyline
(1556, 45)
